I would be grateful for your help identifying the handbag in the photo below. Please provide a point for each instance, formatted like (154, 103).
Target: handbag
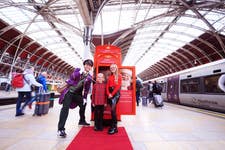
(61, 87)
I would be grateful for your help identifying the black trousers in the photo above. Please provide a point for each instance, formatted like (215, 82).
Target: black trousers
(98, 116)
(113, 103)
(113, 115)
(69, 97)
(138, 93)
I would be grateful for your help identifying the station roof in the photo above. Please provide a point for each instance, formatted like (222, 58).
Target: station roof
(158, 37)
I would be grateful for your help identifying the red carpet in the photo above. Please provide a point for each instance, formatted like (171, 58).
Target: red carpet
(88, 139)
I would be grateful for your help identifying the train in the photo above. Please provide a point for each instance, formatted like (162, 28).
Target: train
(195, 87)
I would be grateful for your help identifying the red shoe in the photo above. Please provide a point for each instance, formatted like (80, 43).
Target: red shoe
(30, 106)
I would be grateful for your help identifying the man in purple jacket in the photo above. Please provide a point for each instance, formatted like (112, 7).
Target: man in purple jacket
(75, 95)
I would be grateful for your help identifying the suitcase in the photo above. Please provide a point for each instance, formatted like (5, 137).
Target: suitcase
(158, 101)
(42, 104)
(52, 96)
(144, 101)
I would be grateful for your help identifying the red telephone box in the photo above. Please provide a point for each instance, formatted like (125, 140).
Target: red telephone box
(105, 55)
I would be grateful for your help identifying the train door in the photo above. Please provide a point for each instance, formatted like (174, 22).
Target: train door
(173, 89)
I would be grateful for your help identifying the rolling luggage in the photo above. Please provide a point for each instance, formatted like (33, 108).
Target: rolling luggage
(158, 101)
(52, 96)
(144, 101)
(42, 103)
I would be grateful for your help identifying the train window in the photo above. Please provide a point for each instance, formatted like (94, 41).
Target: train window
(216, 71)
(211, 84)
(190, 85)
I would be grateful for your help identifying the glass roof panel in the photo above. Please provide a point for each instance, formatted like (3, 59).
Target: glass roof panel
(193, 21)
(156, 35)
(73, 20)
(216, 19)
(61, 29)
(155, 11)
(46, 35)
(176, 42)
(20, 1)
(113, 25)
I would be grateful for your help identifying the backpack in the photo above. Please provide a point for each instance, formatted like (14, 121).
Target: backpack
(17, 81)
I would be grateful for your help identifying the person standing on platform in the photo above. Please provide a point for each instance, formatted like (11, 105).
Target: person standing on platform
(99, 101)
(25, 91)
(42, 80)
(221, 82)
(75, 95)
(8, 85)
(138, 90)
(157, 89)
(113, 87)
(150, 91)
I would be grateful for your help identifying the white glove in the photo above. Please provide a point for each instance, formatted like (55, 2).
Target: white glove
(84, 101)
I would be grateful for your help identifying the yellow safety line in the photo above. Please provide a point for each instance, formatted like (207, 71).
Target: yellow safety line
(208, 112)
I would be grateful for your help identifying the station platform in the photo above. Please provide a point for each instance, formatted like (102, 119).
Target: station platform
(172, 127)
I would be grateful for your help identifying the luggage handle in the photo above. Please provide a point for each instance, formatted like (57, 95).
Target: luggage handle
(41, 90)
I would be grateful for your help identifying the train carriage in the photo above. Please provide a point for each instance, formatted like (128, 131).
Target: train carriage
(196, 87)
(199, 87)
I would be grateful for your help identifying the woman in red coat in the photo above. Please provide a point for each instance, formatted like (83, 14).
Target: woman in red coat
(113, 92)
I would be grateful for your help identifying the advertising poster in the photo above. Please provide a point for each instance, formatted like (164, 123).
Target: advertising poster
(127, 93)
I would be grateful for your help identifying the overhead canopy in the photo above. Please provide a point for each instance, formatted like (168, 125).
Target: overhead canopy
(158, 37)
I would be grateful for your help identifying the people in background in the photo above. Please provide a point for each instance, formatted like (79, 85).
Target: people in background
(99, 101)
(75, 95)
(42, 78)
(126, 79)
(25, 91)
(8, 85)
(150, 91)
(221, 82)
(113, 87)
(138, 90)
(157, 89)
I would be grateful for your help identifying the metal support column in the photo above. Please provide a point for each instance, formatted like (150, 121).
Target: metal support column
(87, 39)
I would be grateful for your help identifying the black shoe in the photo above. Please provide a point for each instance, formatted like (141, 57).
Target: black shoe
(100, 129)
(112, 130)
(19, 114)
(84, 123)
(96, 129)
(62, 133)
